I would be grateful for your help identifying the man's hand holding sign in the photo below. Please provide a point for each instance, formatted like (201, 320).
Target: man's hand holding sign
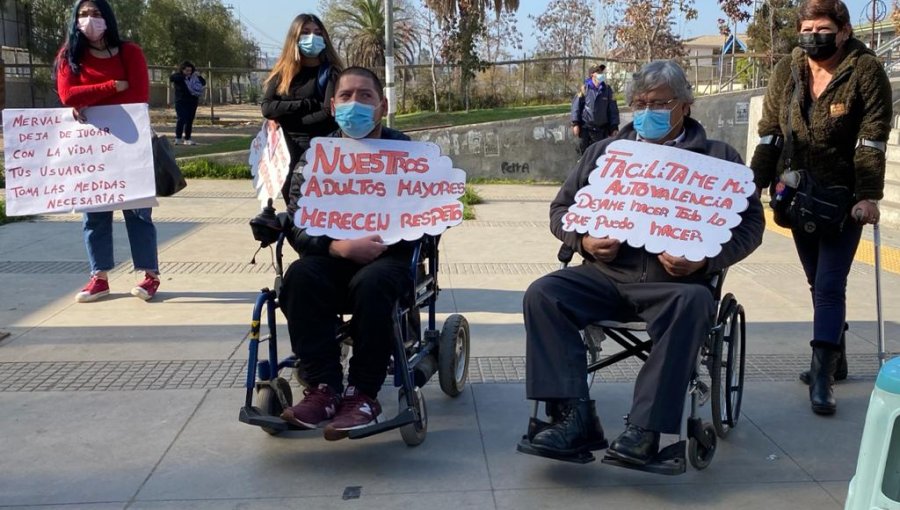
(675, 203)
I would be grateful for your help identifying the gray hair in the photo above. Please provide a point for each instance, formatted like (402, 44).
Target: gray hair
(657, 73)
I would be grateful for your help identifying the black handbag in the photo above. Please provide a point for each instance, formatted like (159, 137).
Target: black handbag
(168, 176)
(817, 208)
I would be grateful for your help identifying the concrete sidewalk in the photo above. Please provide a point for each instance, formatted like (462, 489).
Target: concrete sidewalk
(126, 404)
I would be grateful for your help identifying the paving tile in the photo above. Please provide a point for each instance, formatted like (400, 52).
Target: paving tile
(464, 500)
(218, 457)
(61, 448)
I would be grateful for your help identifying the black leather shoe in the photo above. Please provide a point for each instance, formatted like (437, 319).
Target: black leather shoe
(840, 373)
(821, 379)
(636, 445)
(575, 428)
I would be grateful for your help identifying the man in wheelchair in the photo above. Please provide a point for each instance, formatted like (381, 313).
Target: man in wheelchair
(618, 282)
(361, 276)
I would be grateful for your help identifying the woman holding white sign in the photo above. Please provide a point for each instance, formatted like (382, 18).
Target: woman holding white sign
(300, 87)
(826, 118)
(96, 67)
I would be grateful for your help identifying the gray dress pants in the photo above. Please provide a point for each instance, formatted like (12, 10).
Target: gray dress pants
(559, 305)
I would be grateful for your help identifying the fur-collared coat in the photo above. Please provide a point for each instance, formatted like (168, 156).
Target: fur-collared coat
(855, 105)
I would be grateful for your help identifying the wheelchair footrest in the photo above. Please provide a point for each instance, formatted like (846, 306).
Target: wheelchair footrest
(404, 418)
(253, 416)
(669, 461)
(577, 457)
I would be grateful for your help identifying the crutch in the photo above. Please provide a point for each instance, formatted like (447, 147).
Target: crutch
(880, 340)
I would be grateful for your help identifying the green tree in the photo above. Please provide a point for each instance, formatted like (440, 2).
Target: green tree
(357, 30)
(464, 22)
(775, 20)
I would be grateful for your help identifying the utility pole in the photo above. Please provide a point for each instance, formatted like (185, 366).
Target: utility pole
(389, 59)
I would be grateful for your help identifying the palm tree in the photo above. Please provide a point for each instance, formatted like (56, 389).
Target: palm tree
(359, 32)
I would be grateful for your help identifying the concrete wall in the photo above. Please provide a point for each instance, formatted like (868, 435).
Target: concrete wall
(543, 148)
(537, 148)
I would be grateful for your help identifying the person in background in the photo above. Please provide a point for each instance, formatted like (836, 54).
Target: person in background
(839, 119)
(299, 89)
(595, 114)
(189, 87)
(96, 67)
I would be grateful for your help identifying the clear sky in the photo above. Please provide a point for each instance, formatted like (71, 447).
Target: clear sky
(269, 24)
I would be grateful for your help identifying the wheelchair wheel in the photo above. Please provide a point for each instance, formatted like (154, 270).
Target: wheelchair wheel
(727, 368)
(453, 355)
(593, 336)
(269, 402)
(414, 433)
(701, 456)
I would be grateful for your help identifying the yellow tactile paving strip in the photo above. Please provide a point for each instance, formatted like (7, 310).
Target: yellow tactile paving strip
(890, 257)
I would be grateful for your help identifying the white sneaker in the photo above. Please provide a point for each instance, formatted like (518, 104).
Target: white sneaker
(178, 141)
(189, 142)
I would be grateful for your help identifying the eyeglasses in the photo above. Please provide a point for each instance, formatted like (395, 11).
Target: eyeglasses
(653, 105)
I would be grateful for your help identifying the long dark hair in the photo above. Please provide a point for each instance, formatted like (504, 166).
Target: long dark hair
(76, 43)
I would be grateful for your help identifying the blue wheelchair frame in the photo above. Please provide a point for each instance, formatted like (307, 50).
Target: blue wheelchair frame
(414, 362)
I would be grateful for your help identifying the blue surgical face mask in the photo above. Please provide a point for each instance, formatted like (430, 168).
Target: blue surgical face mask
(311, 45)
(356, 120)
(600, 77)
(652, 124)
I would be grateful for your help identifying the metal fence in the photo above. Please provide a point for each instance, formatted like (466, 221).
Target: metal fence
(508, 83)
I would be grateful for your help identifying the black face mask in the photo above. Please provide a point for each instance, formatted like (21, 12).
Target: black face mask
(819, 46)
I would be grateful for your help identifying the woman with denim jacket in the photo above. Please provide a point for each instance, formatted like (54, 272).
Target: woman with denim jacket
(96, 67)
(829, 105)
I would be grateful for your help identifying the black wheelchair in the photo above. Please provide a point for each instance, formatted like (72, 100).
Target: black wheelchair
(417, 355)
(721, 361)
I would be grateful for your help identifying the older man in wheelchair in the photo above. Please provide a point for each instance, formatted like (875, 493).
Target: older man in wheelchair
(672, 295)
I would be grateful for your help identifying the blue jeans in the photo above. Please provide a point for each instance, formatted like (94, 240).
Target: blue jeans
(98, 240)
(826, 261)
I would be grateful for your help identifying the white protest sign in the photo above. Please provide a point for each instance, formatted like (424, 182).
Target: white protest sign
(269, 161)
(662, 198)
(57, 164)
(396, 189)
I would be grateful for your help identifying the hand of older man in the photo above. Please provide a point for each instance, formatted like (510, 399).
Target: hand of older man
(603, 249)
(679, 266)
(866, 211)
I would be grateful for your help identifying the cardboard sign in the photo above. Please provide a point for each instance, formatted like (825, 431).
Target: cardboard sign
(56, 164)
(662, 198)
(396, 189)
(269, 161)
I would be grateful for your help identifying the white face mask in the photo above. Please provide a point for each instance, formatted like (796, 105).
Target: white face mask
(92, 28)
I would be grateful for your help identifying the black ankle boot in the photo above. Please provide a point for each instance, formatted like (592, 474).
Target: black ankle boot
(575, 428)
(821, 380)
(635, 445)
(840, 373)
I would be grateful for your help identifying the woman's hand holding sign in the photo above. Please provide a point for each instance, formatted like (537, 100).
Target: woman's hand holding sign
(362, 250)
(603, 249)
(679, 266)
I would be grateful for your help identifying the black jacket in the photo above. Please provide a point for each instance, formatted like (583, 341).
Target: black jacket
(182, 94)
(633, 265)
(304, 112)
(596, 109)
(306, 244)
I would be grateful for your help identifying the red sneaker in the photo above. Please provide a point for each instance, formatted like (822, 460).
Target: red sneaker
(315, 410)
(147, 288)
(357, 410)
(95, 289)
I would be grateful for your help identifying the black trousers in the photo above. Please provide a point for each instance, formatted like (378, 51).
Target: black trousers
(318, 288)
(559, 305)
(185, 111)
(590, 136)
